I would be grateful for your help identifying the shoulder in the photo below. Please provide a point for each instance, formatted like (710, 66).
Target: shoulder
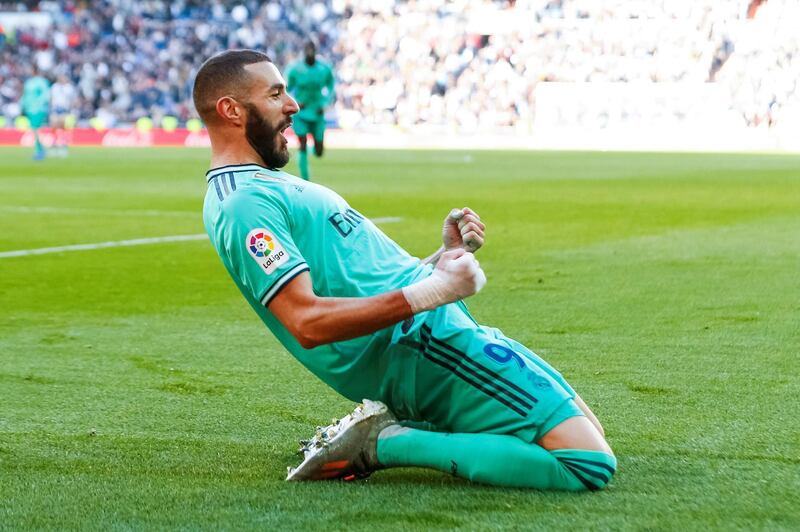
(251, 194)
(257, 199)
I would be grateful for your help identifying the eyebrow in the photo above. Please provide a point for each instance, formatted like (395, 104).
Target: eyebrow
(277, 86)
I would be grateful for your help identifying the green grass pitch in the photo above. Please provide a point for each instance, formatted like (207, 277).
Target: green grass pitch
(137, 389)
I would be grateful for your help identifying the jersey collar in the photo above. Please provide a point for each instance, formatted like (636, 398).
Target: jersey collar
(214, 172)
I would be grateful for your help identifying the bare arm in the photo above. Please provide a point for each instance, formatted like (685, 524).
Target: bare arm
(315, 320)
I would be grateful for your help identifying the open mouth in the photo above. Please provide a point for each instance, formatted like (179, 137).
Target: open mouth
(287, 126)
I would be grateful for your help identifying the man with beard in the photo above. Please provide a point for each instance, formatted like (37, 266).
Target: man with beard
(310, 82)
(373, 322)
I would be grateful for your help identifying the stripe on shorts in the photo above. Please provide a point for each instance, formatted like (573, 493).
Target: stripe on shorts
(455, 360)
(460, 363)
(219, 191)
(496, 376)
(455, 370)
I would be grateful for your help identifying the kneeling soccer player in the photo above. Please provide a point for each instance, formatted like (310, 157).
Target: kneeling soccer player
(442, 391)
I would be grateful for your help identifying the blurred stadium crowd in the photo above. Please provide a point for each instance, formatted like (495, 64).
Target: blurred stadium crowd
(465, 64)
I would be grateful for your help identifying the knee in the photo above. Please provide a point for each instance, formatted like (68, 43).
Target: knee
(318, 149)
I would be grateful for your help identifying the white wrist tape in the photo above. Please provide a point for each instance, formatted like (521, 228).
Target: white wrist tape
(455, 280)
(428, 293)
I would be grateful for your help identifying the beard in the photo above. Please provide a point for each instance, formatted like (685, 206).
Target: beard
(265, 139)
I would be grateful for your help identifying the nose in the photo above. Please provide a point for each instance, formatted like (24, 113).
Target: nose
(290, 107)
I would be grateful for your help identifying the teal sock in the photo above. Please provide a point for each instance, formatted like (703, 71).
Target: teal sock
(302, 162)
(495, 459)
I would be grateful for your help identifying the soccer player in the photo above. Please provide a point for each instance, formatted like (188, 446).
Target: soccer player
(36, 106)
(310, 82)
(63, 96)
(371, 321)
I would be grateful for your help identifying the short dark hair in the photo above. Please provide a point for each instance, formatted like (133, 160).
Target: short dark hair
(219, 75)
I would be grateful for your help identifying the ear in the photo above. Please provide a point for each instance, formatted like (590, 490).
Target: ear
(230, 111)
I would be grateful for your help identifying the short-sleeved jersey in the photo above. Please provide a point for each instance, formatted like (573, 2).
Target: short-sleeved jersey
(311, 86)
(63, 97)
(36, 96)
(269, 227)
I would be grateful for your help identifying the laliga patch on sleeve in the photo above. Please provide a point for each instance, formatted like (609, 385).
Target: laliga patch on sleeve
(266, 250)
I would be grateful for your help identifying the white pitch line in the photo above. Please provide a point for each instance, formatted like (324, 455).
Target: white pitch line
(134, 242)
(102, 245)
(387, 220)
(99, 212)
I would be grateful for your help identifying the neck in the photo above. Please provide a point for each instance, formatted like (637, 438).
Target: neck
(310, 60)
(225, 151)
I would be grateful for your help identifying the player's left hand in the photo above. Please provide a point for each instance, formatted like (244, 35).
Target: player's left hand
(463, 229)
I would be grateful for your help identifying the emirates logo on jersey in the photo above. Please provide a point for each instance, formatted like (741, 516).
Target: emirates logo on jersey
(265, 249)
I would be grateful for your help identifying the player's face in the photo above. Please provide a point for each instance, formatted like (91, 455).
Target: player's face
(310, 52)
(269, 113)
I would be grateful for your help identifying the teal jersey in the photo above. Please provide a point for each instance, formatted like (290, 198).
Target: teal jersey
(36, 96)
(311, 86)
(269, 227)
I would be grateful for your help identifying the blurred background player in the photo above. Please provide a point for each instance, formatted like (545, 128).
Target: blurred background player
(310, 81)
(36, 107)
(62, 100)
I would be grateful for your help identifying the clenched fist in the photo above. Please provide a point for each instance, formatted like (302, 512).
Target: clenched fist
(457, 276)
(463, 229)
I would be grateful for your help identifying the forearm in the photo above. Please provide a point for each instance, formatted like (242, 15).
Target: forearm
(334, 319)
(433, 259)
(315, 320)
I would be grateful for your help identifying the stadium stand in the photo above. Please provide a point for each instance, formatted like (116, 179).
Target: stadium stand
(131, 59)
(465, 65)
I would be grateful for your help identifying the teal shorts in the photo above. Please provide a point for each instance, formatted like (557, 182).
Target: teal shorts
(303, 127)
(449, 371)
(37, 120)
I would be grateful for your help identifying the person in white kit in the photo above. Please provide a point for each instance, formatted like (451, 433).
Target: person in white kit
(62, 101)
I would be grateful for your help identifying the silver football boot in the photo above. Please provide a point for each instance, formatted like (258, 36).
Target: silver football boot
(347, 449)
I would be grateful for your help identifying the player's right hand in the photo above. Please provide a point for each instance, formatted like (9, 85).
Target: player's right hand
(457, 275)
(461, 273)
